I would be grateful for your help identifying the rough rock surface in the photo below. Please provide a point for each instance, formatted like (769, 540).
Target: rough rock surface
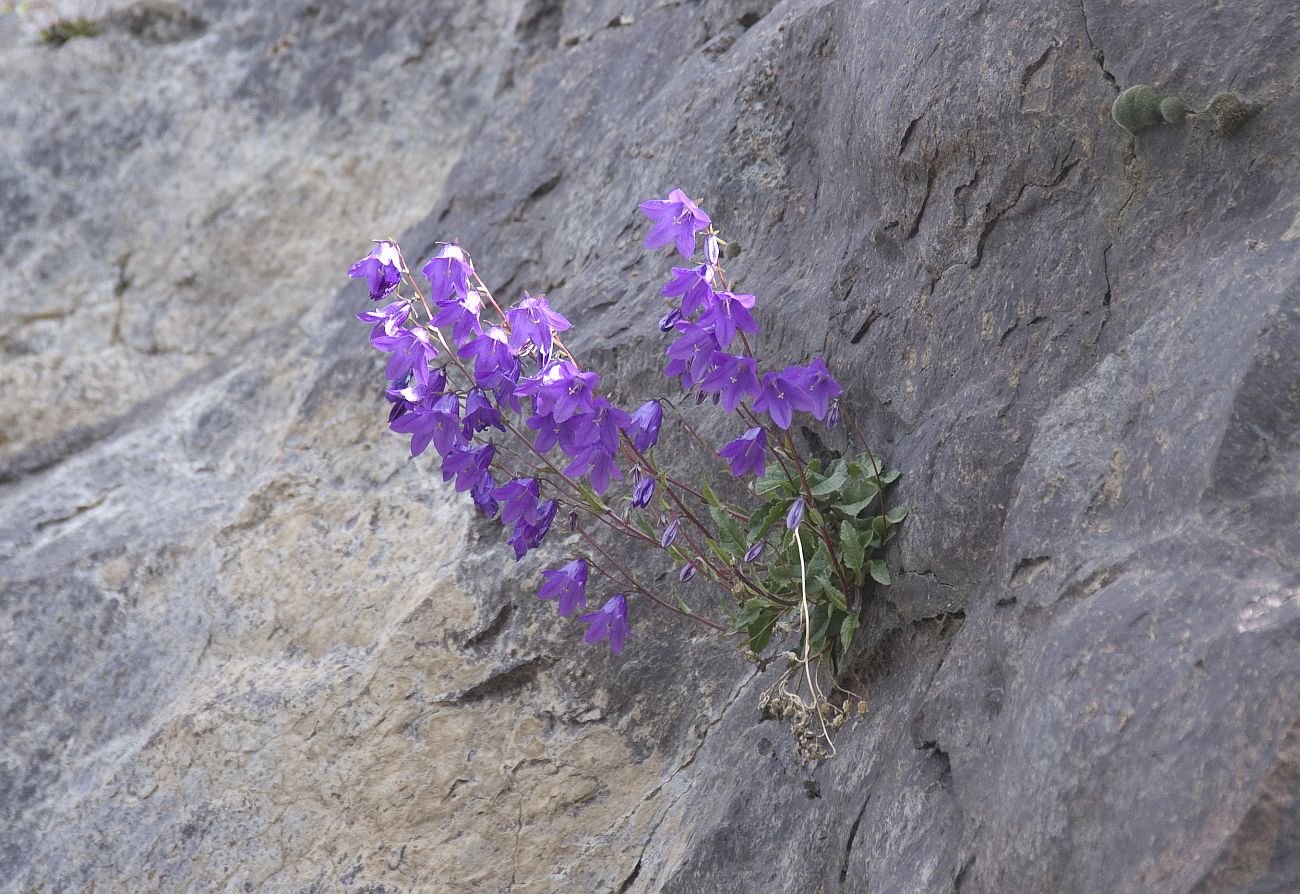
(248, 645)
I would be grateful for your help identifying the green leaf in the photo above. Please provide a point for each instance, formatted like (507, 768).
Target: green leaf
(643, 525)
(592, 500)
(879, 573)
(851, 547)
(847, 628)
(681, 604)
(749, 613)
(836, 478)
(760, 631)
(896, 515)
(832, 592)
(709, 496)
(773, 514)
(772, 481)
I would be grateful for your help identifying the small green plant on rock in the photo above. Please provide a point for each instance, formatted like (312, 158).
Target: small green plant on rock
(56, 24)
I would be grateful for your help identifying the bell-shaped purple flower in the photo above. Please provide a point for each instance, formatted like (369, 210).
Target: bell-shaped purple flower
(812, 387)
(569, 392)
(568, 583)
(387, 319)
(728, 315)
(518, 500)
(493, 359)
(676, 220)
(778, 397)
(482, 494)
(643, 425)
(598, 465)
(461, 313)
(529, 535)
(534, 320)
(748, 453)
(691, 356)
(381, 269)
(409, 347)
(426, 385)
(467, 465)
(480, 413)
(694, 285)
(734, 377)
(448, 273)
(438, 424)
(609, 623)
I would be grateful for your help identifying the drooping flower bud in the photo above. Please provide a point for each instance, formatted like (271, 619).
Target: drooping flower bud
(754, 551)
(670, 534)
(687, 572)
(669, 320)
(833, 417)
(711, 248)
(795, 515)
(644, 490)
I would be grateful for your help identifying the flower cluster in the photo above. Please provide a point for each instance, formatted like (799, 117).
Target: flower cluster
(530, 433)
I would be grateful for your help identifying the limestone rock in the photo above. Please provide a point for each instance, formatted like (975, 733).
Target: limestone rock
(249, 645)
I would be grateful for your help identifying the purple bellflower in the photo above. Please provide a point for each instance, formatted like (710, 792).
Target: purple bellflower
(748, 453)
(813, 387)
(448, 273)
(691, 356)
(643, 425)
(439, 424)
(461, 313)
(728, 315)
(735, 378)
(425, 386)
(568, 583)
(479, 412)
(534, 320)
(676, 220)
(518, 500)
(779, 396)
(609, 623)
(482, 494)
(493, 359)
(409, 347)
(387, 319)
(530, 534)
(598, 465)
(382, 271)
(467, 465)
(569, 393)
(694, 285)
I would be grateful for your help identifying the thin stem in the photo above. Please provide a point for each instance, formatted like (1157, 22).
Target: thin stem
(627, 575)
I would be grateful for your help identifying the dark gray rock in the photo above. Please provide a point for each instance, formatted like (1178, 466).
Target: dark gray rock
(256, 648)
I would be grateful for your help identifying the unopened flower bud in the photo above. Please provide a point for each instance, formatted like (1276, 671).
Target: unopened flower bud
(670, 320)
(670, 534)
(573, 520)
(833, 417)
(754, 551)
(795, 515)
(700, 398)
(687, 572)
(711, 248)
(643, 491)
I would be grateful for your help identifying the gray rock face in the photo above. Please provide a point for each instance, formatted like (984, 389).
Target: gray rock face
(249, 645)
